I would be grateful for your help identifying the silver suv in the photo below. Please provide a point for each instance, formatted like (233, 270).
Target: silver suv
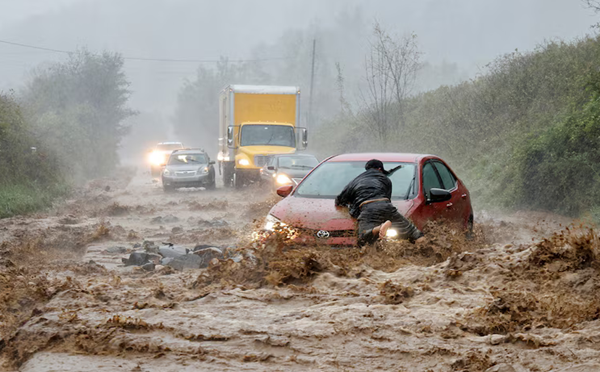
(188, 168)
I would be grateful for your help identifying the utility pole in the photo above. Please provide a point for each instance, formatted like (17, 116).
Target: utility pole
(312, 81)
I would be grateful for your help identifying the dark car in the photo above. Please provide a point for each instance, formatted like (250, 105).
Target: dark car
(287, 169)
(188, 168)
(424, 189)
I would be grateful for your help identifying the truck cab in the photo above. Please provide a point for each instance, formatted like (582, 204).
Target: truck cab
(255, 122)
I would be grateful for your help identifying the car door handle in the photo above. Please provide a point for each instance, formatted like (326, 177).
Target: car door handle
(464, 196)
(449, 205)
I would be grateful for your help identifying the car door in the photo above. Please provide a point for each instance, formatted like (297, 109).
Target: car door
(459, 205)
(432, 180)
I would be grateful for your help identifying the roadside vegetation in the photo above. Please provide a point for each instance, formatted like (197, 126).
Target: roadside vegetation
(61, 130)
(523, 135)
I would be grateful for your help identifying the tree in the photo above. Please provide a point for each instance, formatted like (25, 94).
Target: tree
(390, 71)
(79, 108)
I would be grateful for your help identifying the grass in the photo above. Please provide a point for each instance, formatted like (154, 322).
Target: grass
(24, 199)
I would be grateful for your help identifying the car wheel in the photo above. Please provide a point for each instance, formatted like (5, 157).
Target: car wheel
(227, 177)
(469, 233)
(238, 180)
(212, 184)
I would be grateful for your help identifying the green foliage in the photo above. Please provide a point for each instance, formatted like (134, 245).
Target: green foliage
(65, 128)
(522, 135)
(23, 199)
(78, 108)
(560, 169)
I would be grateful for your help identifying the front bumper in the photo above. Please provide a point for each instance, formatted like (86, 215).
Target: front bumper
(186, 180)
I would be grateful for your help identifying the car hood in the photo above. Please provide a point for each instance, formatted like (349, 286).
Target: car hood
(321, 214)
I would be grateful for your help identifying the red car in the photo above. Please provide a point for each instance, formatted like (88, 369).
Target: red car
(424, 188)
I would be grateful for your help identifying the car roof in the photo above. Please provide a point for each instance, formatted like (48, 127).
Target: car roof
(383, 156)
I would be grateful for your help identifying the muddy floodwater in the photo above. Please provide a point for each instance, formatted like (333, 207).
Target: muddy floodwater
(522, 295)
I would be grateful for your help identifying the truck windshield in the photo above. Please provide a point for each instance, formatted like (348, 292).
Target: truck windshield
(268, 135)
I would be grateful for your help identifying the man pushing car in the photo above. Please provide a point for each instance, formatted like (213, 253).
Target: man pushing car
(368, 198)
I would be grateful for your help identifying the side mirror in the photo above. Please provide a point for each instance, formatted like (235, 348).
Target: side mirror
(271, 168)
(438, 196)
(284, 191)
(212, 162)
(304, 138)
(230, 143)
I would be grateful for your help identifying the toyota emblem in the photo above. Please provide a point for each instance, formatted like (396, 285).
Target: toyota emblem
(322, 234)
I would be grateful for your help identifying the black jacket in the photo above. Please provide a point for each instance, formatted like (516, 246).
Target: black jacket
(369, 185)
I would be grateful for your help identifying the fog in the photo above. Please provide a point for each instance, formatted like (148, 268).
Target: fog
(460, 36)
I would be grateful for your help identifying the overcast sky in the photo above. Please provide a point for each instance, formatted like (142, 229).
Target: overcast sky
(467, 32)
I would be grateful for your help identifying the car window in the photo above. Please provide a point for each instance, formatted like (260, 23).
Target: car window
(271, 161)
(330, 178)
(446, 176)
(430, 179)
(181, 159)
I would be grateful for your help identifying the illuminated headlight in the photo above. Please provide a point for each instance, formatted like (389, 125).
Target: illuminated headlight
(157, 158)
(167, 172)
(391, 233)
(282, 179)
(271, 221)
(220, 157)
(243, 162)
(205, 170)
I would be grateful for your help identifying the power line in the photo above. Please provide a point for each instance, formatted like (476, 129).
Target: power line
(146, 59)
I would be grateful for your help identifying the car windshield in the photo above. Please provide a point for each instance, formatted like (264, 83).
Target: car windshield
(330, 178)
(182, 159)
(298, 162)
(168, 146)
(272, 135)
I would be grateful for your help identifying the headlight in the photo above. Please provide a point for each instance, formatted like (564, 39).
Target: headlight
(282, 179)
(166, 172)
(156, 158)
(391, 233)
(205, 170)
(244, 162)
(271, 221)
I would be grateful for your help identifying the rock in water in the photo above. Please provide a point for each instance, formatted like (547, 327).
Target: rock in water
(149, 266)
(188, 261)
(172, 251)
(207, 254)
(136, 259)
(141, 258)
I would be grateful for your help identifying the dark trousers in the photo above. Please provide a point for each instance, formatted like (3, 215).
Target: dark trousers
(374, 214)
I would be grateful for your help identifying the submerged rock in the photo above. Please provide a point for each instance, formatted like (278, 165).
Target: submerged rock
(207, 254)
(149, 266)
(141, 258)
(188, 261)
(173, 251)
